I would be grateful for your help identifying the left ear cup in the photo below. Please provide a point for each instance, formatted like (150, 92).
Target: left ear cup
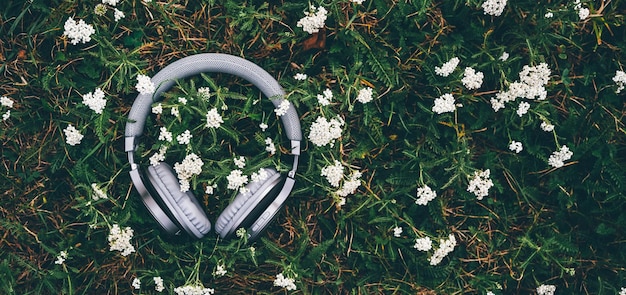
(244, 206)
(184, 207)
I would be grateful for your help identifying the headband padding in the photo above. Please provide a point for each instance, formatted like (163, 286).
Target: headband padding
(217, 63)
(183, 206)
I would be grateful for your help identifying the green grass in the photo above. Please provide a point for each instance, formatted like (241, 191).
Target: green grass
(538, 225)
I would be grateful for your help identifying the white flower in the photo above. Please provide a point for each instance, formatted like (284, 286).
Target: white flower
(494, 7)
(118, 14)
(424, 195)
(333, 173)
(236, 179)
(282, 108)
(144, 84)
(535, 78)
(95, 100)
(397, 231)
(184, 138)
(324, 132)
(159, 156)
(447, 68)
(78, 32)
(263, 126)
(423, 244)
(480, 184)
(300, 77)
(6, 115)
(314, 20)
(61, 257)
(547, 127)
(175, 112)
(504, 56)
(259, 176)
(445, 247)
(558, 158)
(548, 14)
(119, 240)
(182, 100)
(583, 13)
(193, 290)
(496, 104)
(623, 291)
(190, 166)
(220, 270)
(269, 146)
(546, 290)
(472, 79)
(158, 284)
(365, 95)
(213, 119)
(7, 102)
(444, 104)
(620, 80)
(72, 136)
(349, 186)
(110, 2)
(136, 284)
(523, 108)
(285, 282)
(358, 1)
(240, 162)
(157, 109)
(210, 189)
(204, 92)
(165, 135)
(98, 193)
(516, 146)
(325, 98)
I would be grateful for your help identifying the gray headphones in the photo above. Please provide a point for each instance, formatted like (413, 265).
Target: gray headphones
(158, 186)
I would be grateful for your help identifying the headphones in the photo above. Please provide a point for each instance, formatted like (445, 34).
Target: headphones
(158, 185)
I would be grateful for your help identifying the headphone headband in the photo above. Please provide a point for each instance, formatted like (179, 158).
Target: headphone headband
(204, 63)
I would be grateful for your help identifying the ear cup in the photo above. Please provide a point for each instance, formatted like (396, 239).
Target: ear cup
(241, 207)
(184, 207)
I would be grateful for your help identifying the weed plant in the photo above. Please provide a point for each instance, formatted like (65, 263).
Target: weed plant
(425, 182)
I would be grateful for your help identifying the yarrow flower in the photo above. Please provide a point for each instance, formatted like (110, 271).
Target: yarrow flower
(259, 176)
(282, 108)
(350, 185)
(397, 231)
(358, 1)
(333, 173)
(472, 79)
(523, 108)
(95, 100)
(118, 14)
(424, 195)
(144, 84)
(159, 156)
(236, 179)
(445, 247)
(480, 184)
(620, 80)
(444, 104)
(583, 12)
(285, 282)
(157, 109)
(547, 127)
(165, 135)
(158, 284)
(193, 290)
(98, 193)
(78, 32)
(184, 138)
(504, 56)
(530, 86)
(119, 240)
(61, 257)
(6, 102)
(494, 7)
(136, 284)
(623, 291)
(269, 146)
(365, 95)
(204, 92)
(325, 98)
(516, 146)
(190, 166)
(558, 158)
(213, 119)
(324, 132)
(447, 68)
(314, 20)
(240, 162)
(423, 244)
(300, 77)
(220, 270)
(546, 290)
(110, 2)
(72, 136)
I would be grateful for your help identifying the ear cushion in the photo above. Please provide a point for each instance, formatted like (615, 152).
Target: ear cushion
(232, 217)
(184, 207)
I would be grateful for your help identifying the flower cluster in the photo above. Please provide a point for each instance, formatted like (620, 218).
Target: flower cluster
(423, 244)
(158, 284)
(444, 104)
(333, 173)
(516, 146)
(314, 20)
(236, 179)
(119, 240)
(424, 195)
(546, 290)
(220, 270)
(213, 119)
(324, 132)
(480, 184)
(193, 290)
(285, 282)
(184, 138)
(98, 193)
(300, 76)
(530, 86)
(558, 158)
(472, 79)
(583, 12)
(190, 166)
(445, 247)
(494, 7)
(350, 185)
(8, 103)
(159, 156)
(136, 284)
(269, 146)
(547, 127)
(282, 108)
(365, 95)
(447, 68)
(325, 98)
(397, 231)
(145, 84)
(72, 136)
(95, 100)
(78, 32)
(61, 257)
(165, 135)
(620, 80)
(622, 291)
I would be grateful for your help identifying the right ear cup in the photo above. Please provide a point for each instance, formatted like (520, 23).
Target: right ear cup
(245, 205)
(183, 207)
